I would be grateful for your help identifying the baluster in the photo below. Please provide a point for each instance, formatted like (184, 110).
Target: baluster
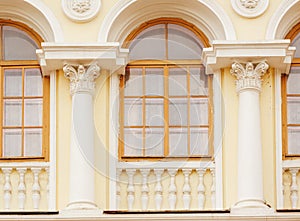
(130, 188)
(21, 188)
(7, 188)
(201, 189)
(213, 189)
(186, 189)
(48, 186)
(118, 188)
(172, 189)
(145, 189)
(158, 188)
(294, 188)
(36, 188)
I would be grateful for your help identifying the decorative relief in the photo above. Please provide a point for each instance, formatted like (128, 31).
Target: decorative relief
(250, 8)
(81, 10)
(82, 79)
(248, 77)
(249, 4)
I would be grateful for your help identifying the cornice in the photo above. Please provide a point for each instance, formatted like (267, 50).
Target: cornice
(109, 56)
(222, 54)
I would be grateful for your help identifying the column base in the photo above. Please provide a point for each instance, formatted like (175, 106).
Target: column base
(251, 207)
(81, 208)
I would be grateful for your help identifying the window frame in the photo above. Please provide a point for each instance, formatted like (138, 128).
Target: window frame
(165, 64)
(23, 64)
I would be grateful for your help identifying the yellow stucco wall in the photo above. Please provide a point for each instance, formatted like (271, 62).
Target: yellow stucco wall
(246, 29)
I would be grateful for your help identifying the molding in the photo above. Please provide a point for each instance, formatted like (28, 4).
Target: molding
(166, 165)
(278, 140)
(285, 17)
(36, 14)
(250, 8)
(113, 138)
(126, 15)
(222, 54)
(53, 56)
(218, 138)
(81, 10)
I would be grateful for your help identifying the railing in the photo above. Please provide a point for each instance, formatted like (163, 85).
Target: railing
(24, 186)
(157, 186)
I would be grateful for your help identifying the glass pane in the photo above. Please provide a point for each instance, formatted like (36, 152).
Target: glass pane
(12, 142)
(178, 111)
(12, 112)
(134, 86)
(33, 112)
(18, 45)
(12, 82)
(133, 112)
(154, 142)
(293, 85)
(133, 142)
(149, 44)
(33, 82)
(198, 81)
(178, 142)
(182, 43)
(177, 82)
(296, 42)
(199, 111)
(154, 81)
(33, 142)
(199, 141)
(293, 140)
(154, 112)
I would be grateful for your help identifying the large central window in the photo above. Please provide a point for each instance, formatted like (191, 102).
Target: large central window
(165, 105)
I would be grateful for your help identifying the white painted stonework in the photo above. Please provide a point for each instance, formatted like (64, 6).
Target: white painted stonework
(250, 8)
(81, 10)
(250, 171)
(82, 173)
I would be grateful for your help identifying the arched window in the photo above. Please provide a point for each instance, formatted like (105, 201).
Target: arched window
(291, 101)
(165, 95)
(24, 95)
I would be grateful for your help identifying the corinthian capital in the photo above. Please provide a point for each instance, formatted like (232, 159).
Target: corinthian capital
(248, 75)
(82, 79)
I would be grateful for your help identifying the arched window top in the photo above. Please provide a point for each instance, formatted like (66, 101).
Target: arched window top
(18, 42)
(294, 35)
(166, 39)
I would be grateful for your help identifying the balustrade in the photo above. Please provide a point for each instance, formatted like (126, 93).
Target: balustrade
(165, 186)
(21, 186)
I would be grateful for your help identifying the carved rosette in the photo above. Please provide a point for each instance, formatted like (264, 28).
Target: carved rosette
(82, 79)
(248, 75)
(250, 8)
(81, 10)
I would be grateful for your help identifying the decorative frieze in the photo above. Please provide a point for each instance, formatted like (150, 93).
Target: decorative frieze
(82, 79)
(249, 75)
(250, 8)
(81, 10)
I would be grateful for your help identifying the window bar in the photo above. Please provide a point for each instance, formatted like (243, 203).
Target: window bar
(188, 111)
(166, 111)
(23, 114)
(144, 112)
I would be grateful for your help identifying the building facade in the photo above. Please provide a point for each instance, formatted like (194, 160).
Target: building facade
(138, 109)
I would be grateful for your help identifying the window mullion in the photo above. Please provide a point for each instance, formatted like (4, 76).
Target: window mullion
(23, 114)
(166, 111)
(188, 111)
(144, 111)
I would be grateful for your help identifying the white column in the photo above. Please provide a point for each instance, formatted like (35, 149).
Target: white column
(250, 171)
(82, 173)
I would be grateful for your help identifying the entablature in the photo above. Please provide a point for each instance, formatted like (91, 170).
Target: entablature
(278, 54)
